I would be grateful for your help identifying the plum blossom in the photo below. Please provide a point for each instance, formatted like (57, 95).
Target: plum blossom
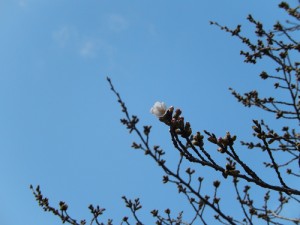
(159, 109)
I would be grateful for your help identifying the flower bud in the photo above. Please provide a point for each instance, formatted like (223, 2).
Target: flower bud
(177, 113)
(212, 139)
(167, 117)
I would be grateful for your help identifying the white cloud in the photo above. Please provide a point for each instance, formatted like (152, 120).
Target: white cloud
(94, 47)
(64, 35)
(117, 23)
(88, 49)
(100, 49)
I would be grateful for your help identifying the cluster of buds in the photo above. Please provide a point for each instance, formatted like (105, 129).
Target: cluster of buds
(259, 133)
(228, 140)
(179, 126)
(222, 142)
(175, 121)
(230, 168)
(198, 139)
(160, 110)
(96, 211)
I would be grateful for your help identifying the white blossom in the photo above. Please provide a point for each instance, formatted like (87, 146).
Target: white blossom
(159, 109)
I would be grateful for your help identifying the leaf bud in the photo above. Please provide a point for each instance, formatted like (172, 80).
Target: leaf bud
(135, 145)
(165, 179)
(264, 75)
(154, 212)
(216, 200)
(283, 54)
(190, 171)
(256, 129)
(284, 5)
(217, 183)
(147, 130)
(63, 206)
(279, 114)
(230, 166)
(167, 211)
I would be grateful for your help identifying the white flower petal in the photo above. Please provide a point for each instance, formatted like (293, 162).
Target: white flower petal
(159, 109)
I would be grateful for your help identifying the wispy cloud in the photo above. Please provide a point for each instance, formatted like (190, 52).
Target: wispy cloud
(117, 23)
(88, 49)
(23, 3)
(96, 47)
(64, 35)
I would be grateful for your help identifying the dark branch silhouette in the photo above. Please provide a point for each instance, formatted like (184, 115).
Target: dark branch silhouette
(261, 199)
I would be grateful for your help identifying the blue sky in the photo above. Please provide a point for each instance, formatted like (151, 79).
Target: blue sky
(59, 122)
